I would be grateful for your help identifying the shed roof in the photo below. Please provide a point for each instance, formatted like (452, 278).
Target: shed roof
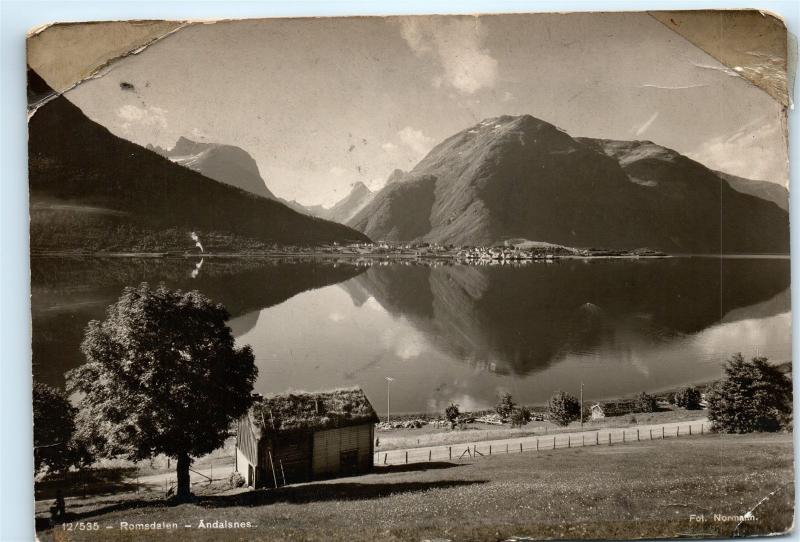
(312, 411)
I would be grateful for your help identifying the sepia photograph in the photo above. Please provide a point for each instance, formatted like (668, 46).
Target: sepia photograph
(486, 277)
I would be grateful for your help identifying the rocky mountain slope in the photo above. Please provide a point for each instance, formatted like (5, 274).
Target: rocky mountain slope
(224, 163)
(521, 177)
(343, 210)
(350, 205)
(766, 190)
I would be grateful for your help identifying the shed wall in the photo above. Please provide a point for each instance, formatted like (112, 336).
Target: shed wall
(333, 449)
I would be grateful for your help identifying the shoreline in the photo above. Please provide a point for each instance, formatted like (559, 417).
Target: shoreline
(389, 256)
(660, 395)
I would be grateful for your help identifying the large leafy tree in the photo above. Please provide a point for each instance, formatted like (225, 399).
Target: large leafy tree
(563, 408)
(753, 396)
(163, 376)
(53, 428)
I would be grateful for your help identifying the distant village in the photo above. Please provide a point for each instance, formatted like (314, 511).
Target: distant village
(508, 253)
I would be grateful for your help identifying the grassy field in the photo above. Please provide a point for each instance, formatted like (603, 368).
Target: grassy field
(432, 436)
(647, 489)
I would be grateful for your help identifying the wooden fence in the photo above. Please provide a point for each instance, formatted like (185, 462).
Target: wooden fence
(601, 437)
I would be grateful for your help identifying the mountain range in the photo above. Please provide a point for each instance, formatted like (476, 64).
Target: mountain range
(505, 178)
(93, 191)
(235, 166)
(516, 177)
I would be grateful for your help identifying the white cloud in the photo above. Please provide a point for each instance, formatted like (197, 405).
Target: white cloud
(643, 128)
(146, 116)
(457, 44)
(415, 140)
(389, 147)
(757, 151)
(337, 171)
(336, 317)
(508, 97)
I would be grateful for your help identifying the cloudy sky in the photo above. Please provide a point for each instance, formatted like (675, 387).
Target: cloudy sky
(323, 103)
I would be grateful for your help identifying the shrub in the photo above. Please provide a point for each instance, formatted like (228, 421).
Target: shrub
(688, 398)
(505, 406)
(452, 413)
(586, 411)
(645, 403)
(563, 408)
(753, 396)
(520, 416)
(236, 479)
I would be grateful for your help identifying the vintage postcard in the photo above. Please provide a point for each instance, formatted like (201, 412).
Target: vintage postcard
(484, 277)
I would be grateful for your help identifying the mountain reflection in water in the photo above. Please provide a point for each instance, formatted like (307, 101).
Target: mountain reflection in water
(450, 332)
(464, 333)
(66, 293)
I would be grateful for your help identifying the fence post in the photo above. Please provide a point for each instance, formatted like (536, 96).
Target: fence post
(690, 430)
(609, 438)
(506, 447)
(662, 432)
(450, 452)
(490, 449)
(651, 433)
(702, 427)
(637, 435)
(385, 457)
(583, 440)
(623, 436)
(597, 438)
(429, 455)
(537, 446)
(678, 431)
(569, 441)
(406, 456)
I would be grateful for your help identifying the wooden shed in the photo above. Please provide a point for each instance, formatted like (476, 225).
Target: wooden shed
(302, 436)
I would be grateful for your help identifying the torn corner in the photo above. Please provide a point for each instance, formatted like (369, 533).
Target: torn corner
(749, 43)
(63, 55)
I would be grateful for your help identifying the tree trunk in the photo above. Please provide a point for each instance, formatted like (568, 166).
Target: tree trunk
(184, 486)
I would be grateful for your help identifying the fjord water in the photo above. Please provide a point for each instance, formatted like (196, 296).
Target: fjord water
(451, 332)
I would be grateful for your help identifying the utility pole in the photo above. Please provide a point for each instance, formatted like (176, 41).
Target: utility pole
(581, 406)
(389, 380)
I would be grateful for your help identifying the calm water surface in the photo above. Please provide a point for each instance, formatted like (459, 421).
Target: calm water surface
(451, 332)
